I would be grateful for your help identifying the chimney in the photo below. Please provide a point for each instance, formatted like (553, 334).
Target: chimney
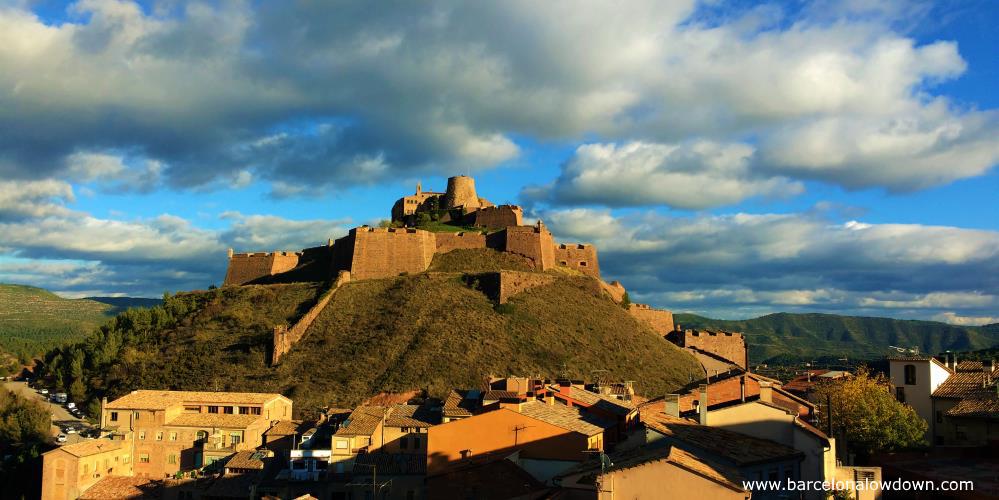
(230, 253)
(766, 392)
(672, 405)
(742, 388)
(989, 365)
(955, 362)
(550, 398)
(104, 402)
(702, 408)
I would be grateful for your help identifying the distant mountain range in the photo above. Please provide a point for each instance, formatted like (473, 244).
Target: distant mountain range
(805, 336)
(34, 320)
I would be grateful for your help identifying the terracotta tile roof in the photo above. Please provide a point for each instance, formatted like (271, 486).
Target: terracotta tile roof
(213, 420)
(91, 447)
(232, 485)
(159, 400)
(592, 399)
(705, 467)
(122, 487)
(250, 459)
(976, 408)
(362, 421)
(287, 428)
(701, 465)
(740, 449)
(967, 384)
(570, 419)
(457, 404)
(493, 395)
(411, 416)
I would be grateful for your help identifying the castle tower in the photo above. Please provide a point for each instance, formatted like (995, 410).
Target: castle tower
(461, 193)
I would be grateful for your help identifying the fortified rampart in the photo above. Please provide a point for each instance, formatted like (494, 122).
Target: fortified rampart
(455, 241)
(497, 217)
(660, 320)
(285, 338)
(580, 257)
(533, 242)
(615, 289)
(248, 267)
(513, 282)
(383, 252)
(728, 345)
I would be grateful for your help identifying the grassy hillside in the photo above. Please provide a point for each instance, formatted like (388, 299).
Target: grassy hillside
(814, 335)
(424, 331)
(33, 320)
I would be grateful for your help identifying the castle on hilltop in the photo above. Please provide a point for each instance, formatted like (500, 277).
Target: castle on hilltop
(369, 252)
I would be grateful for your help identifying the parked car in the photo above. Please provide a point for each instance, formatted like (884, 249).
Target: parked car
(61, 438)
(43, 392)
(70, 430)
(60, 397)
(71, 405)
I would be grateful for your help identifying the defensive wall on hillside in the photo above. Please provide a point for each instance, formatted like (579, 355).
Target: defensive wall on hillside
(369, 252)
(660, 320)
(284, 337)
(580, 257)
(728, 345)
(496, 217)
(247, 267)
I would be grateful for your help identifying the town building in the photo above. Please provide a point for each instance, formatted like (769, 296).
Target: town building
(915, 379)
(546, 436)
(69, 471)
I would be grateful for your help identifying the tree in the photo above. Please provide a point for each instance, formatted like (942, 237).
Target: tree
(626, 301)
(865, 411)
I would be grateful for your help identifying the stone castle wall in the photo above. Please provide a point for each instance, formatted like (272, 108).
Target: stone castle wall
(383, 252)
(615, 289)
(247, 267)
(445, 242)
(285, 338)
(729, 345)
(580, 257)
(461, 193)
(497, 217)
(533, 242)
(660, 320)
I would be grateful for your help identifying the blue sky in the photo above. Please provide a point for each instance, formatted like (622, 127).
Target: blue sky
(730, 159)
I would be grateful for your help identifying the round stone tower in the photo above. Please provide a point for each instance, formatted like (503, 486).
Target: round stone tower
(461, 193)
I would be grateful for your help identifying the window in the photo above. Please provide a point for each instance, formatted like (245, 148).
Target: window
(126, 459)
(135, 415)
(86, 469)
(960, 433)
(235, 438)
(114, 416)
(298, 465)
(900, 394)
(142, 435)
(582, 263)
(173, 436)
(404, 443)
(172, 459)
(227, 410)
(254, 410)
(244, 410)
(939, 417)
(192, 409)
(159, 436)
(341, 444)
(143, 458)
(910, 374)
(213, 409)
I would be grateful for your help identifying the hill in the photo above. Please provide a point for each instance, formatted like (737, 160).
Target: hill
(806, 336)
(428, 331)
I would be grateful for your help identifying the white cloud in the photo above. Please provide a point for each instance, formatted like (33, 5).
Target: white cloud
(691, 176)
(746, 264)
(956, 319)
(21, 199)
(365, 95)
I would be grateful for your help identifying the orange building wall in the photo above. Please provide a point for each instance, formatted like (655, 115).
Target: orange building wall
(662, 479)
(493, 432)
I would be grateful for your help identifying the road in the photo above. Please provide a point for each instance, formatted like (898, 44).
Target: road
(61, 418)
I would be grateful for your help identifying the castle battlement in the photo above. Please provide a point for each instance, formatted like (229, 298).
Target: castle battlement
(378, 252)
